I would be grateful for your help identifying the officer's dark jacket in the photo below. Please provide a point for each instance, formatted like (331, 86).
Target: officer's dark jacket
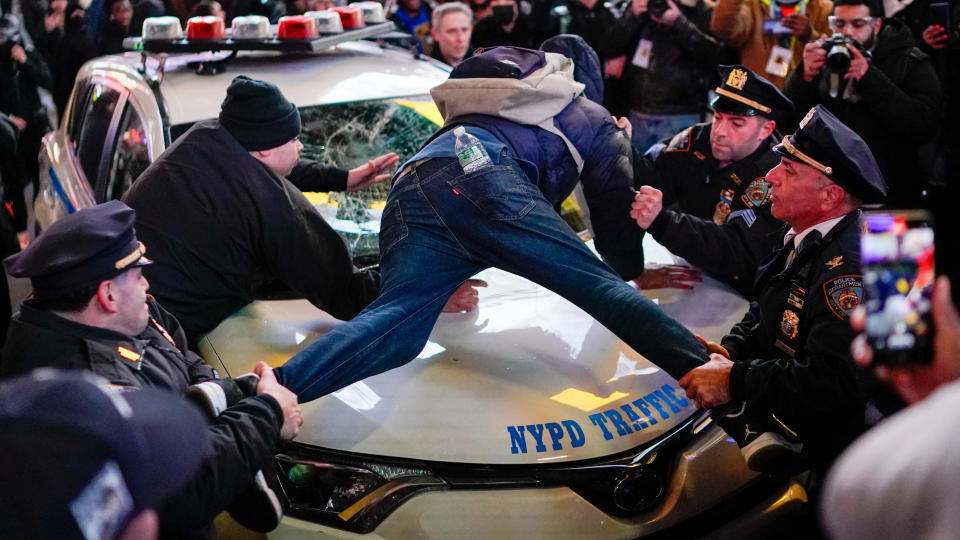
(223, 229)
(683, 62)
(241, 438)
(795, 362)
(899, 110)
(731, 248)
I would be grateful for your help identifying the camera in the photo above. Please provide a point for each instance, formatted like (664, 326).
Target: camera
(656, 8)
(838, 52)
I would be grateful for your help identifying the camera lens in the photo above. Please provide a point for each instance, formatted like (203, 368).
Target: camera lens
(838, 58)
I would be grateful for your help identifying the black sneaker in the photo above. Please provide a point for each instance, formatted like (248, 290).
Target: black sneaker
(765, 448)
(258, 509)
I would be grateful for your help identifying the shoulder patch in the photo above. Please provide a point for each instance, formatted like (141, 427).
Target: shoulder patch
(757, 193)
(680, 142)
(843, 293)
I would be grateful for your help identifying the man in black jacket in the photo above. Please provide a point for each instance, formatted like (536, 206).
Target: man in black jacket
(89, 310)
(891, 97)
(227, 226)
(670, 65)
(789, 358)
(704, 196)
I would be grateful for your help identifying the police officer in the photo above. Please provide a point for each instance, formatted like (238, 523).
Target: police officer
(82, 461)
(89, 310)
(705, 196)
(789, 358)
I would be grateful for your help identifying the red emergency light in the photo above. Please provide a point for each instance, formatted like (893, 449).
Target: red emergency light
(297, 27)
(350, 16)
(206, 28)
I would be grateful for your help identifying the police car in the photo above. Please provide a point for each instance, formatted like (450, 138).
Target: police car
(525, 418)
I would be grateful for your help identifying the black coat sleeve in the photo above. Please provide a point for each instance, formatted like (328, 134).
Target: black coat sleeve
(311, 175)
(730, 252)
(741, 342)
(241, 441)
(304, 252)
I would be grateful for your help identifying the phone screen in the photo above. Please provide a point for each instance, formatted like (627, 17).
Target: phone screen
(897, 254)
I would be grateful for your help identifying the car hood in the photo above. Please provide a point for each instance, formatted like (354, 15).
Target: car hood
(526, 378)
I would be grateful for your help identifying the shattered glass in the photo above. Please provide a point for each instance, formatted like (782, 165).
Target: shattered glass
(349, 134)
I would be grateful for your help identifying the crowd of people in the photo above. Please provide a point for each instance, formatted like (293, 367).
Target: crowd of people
(743, 135)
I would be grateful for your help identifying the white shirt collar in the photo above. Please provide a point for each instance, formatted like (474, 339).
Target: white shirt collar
(824, 227)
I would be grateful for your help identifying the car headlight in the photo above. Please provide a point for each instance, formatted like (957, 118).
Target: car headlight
(346, 493)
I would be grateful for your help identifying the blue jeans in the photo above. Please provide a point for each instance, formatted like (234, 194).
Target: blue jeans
(649, 129)
(441, 226)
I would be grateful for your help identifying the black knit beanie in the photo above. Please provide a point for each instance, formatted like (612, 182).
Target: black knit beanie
(257, 114)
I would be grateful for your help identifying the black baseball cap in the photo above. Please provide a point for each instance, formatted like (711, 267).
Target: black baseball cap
(80, 459)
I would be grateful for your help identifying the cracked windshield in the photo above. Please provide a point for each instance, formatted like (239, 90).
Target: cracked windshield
(347, 135)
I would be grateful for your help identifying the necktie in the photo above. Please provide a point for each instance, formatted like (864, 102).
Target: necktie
(810, 239)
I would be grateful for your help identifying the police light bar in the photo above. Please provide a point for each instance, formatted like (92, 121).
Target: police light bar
(250, 27)
(328, 21)
(372, 12)
(153, 43)
(297, 27)
(162, 28)
(206, 28)
(350, 16)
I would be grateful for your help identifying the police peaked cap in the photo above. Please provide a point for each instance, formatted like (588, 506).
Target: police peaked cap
(745, 93)
(84, 248)
(826, 144)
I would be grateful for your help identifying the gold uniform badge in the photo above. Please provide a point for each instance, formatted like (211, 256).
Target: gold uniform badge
(789, 324)
(835, 262)
(737, 78)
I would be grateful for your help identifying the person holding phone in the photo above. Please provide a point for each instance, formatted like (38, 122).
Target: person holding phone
(899, 479)
(789, 358)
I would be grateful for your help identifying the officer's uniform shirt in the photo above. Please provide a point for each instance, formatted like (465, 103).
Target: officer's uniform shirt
(717, 218)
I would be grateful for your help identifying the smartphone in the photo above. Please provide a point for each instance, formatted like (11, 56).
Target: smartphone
(775, 27)
(940, 15)
(896, 251)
